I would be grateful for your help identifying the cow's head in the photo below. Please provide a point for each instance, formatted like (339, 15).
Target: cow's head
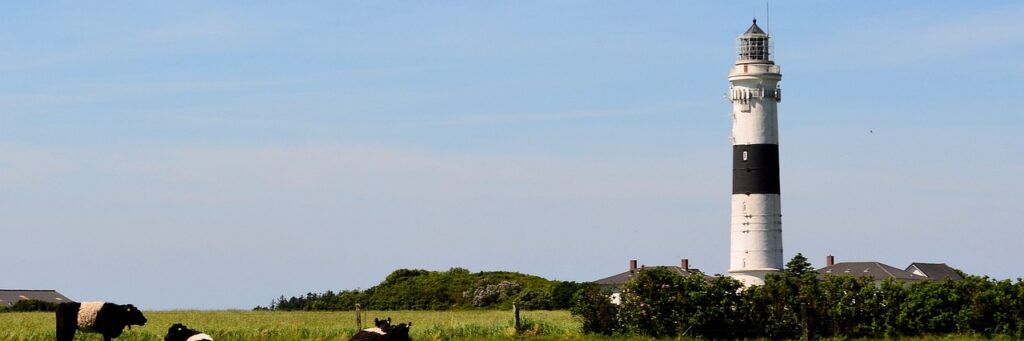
(130, 315)
(382, 324)
(178, 332)
(400, 332)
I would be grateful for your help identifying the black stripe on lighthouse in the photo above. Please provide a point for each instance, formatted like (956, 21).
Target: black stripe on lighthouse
(755, 169)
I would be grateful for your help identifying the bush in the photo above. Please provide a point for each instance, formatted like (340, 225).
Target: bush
(409, 289)
(489, 294)
(655, 303)
(594, 308)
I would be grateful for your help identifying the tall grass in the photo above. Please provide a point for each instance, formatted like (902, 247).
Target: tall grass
(317, 326)
(236, 325)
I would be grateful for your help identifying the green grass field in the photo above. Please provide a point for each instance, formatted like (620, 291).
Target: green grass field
(266, 325)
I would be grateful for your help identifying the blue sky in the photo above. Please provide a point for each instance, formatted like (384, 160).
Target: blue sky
(201, 155)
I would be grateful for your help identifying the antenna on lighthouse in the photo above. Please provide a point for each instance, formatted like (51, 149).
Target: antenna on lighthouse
(767, 18)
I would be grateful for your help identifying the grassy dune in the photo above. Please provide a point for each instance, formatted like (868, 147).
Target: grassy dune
(264, 325)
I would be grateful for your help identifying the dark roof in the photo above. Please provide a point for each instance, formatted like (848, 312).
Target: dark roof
(619, 279)
(938, 271)
(9, 297)
(877, 271)
(754, 30)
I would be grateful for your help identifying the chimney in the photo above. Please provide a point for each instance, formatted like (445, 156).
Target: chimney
(632, 265)
(685, 264)
(830, 260)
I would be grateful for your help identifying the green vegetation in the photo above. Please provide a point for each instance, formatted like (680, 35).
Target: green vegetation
(457, 288)
(29, 305)
(656, 303)
(337, 326)
(322, 326)
(796, 304)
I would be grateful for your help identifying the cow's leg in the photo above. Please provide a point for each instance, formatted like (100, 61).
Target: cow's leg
(67, 322)
(66, 334)
(60, 327)
(60, 324)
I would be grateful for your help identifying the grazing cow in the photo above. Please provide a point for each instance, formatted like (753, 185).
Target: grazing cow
(96, 317)
(383, 331)
(398, 333)
(179, 332)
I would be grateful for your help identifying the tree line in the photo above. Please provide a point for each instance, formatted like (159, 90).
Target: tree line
(457, 288)
(796, 303)
(29, 305)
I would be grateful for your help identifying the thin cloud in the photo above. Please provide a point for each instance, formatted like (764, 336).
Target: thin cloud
(673, 106)
(25, 167)
(87, 93)
(330, 171)
(202, 28)
(472, 120)
(906, 38)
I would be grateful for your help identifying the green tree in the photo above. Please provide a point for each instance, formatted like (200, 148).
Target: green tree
(845, 306)
(799, 266)
(717, 308)
(931, 308)
(653, 303)
(593, 307)
(790, 300)
(884, 307)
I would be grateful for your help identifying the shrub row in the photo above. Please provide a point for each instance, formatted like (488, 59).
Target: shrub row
(29, 305)
(457, 288)
(795, 303)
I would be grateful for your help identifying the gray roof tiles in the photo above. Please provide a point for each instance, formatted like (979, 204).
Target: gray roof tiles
(877, 271)
(937, 271)
(8, 296)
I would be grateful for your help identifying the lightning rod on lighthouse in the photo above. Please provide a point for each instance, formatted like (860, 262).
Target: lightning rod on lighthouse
(756, 219)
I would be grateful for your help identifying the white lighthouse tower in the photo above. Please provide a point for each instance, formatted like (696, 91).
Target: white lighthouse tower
(756, 223)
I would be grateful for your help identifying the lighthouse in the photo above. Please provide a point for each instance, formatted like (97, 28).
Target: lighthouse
(756, 219)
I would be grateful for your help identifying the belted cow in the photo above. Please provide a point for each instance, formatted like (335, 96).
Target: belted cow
(384, 331)
(180, 332)
(105, 318)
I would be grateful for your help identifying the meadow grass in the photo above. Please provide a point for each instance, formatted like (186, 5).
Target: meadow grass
(238, 325)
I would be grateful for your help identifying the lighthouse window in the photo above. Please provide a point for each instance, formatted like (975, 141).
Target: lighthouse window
(744, 155)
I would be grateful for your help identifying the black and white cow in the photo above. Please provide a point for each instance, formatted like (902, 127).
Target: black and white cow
(398, 333)
(96, 317)
(383, 331)
(179, 332)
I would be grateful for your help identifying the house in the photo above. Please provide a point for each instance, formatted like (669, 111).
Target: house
(9, 297)
(935, 271)
(879, 272)
(615, 282)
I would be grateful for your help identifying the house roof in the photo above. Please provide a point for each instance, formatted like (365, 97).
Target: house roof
(938, 271)
(8, 296)
(620, 279)
(877, 271)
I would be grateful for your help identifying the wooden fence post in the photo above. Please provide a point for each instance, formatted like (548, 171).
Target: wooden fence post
(515, 316)
(359, 316)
